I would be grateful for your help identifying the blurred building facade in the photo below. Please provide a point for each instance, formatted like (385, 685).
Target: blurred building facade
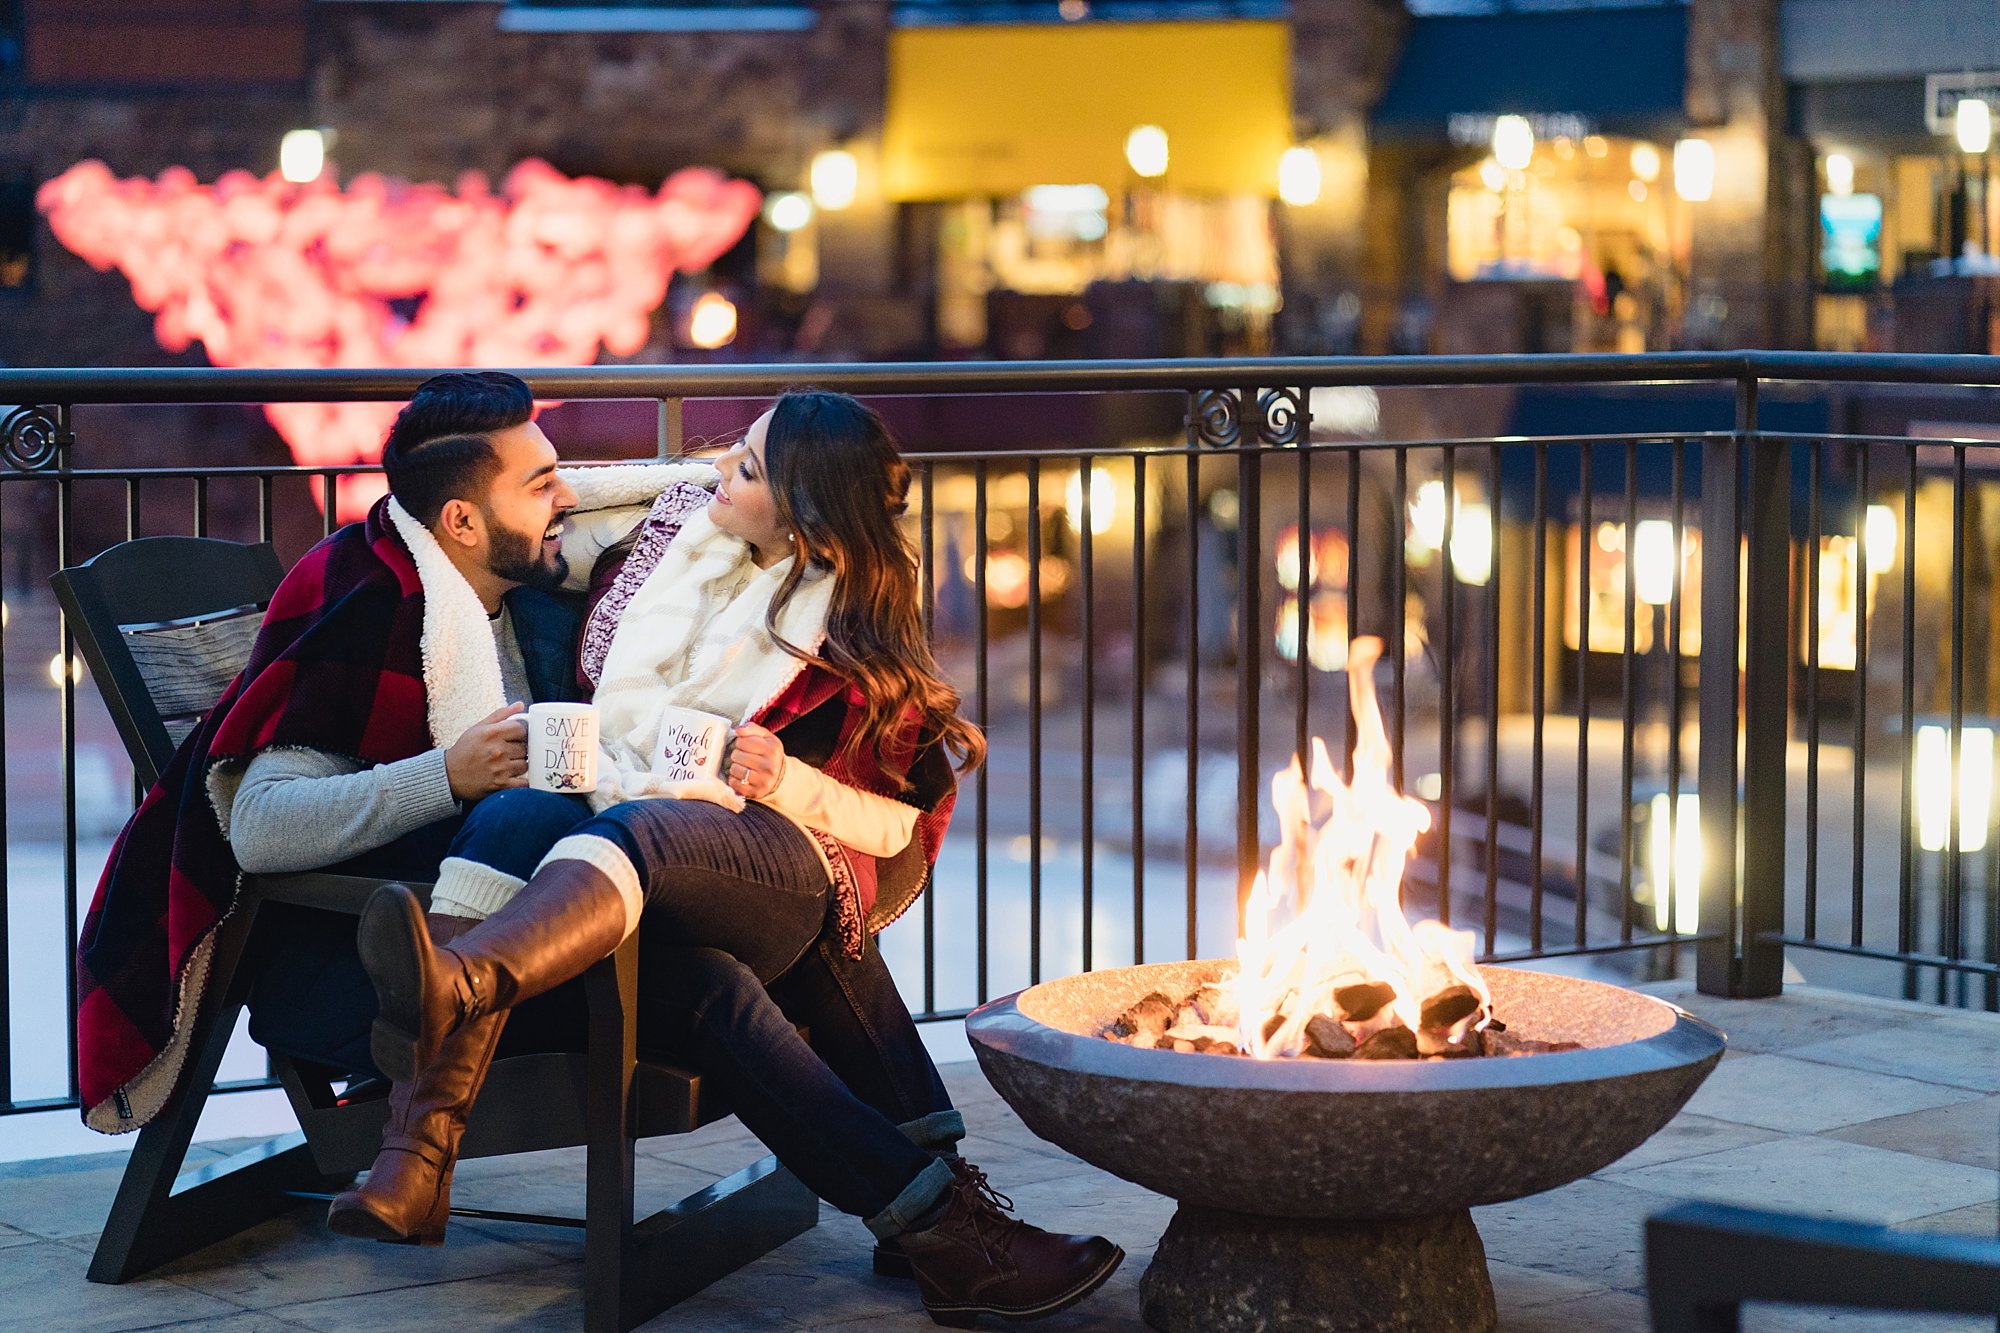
(1028, 178)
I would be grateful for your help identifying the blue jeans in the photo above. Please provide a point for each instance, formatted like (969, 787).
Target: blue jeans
(310, 997)
(733, 958)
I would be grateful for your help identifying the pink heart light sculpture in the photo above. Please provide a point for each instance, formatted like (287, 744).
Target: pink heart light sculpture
(267, 274)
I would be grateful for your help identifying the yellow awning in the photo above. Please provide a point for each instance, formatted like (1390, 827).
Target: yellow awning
(990, 111)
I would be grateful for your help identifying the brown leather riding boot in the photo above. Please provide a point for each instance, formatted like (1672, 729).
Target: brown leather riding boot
(974, 1259)
(407, 1196)
(563, 920)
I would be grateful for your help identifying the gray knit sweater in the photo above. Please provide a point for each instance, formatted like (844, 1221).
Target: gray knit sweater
(305, 809)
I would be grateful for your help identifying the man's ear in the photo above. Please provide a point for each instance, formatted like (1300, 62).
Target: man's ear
(459, 522)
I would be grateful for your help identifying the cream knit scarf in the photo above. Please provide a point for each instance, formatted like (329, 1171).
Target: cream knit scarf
(694, 636)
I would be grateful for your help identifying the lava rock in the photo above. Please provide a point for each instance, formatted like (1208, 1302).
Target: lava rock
(1396, 1043)
(1145, 1022)
(1363, 1000)
(1327, 1039)
(1506, 1043)
(1448, 1006)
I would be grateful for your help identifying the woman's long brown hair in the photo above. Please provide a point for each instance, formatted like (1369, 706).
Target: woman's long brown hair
(840, 485)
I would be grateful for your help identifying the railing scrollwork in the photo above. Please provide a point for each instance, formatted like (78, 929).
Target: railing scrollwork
(32, 437)
(1283, 418)
(1216, 417)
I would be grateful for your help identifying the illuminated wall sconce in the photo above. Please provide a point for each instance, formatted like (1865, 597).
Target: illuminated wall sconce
(1839, 173)
(1973, 122)
(712, 322)
(1513, 142)
(788, 211)
(1653, 563)
(1881, 540)
(1674, 854)
(1146, 151)
(1471, 532)
(836, 178)
(1645, 162)
(1103, 501)
(1299, 176)
(302, 155)
(1933, 787)
(1694, 170)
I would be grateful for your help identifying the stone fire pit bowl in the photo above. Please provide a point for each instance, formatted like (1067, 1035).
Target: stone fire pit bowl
(1333, 1194)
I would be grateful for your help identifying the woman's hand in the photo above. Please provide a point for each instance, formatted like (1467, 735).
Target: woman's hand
(756, 762)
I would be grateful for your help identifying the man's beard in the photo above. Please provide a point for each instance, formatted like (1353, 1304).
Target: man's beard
(517, 558)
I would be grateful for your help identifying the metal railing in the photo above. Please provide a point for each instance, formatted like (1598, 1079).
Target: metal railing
(1148, 627)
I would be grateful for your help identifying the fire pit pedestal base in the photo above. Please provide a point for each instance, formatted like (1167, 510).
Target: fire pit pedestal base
(1218, 1271)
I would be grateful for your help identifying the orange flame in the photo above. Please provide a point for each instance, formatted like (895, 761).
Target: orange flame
(1327, 914)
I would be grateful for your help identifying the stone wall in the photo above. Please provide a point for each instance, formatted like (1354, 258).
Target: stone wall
(428, 91)
(1343, 52)
(1750, 262)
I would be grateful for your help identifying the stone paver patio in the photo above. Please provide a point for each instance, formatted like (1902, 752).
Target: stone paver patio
(1829, 1104)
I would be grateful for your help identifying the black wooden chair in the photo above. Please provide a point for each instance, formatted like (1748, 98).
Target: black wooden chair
(165, 623)
(1705, 1261)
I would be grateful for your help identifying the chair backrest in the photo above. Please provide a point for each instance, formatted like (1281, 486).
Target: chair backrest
(165, 624)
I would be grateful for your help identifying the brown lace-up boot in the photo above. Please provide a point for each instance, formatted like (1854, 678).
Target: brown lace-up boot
(974, 1259)
(566, 918)
(407, 1196)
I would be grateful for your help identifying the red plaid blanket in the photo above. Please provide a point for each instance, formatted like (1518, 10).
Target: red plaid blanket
(337, 667)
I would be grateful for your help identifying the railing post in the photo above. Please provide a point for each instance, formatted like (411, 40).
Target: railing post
(1743, 838)
(670, 429)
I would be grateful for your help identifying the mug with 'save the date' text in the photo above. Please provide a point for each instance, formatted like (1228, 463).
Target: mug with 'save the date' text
(562, 747)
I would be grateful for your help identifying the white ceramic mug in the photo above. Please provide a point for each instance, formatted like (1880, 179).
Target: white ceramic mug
(691, 744)
(562, 747)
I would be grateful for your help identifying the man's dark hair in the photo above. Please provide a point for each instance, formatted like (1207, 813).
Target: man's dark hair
(438, 449)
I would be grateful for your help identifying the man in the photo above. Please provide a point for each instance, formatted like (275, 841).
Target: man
(379, 647)
(474, 514)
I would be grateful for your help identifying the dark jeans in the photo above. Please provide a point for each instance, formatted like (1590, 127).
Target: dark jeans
(749, 884)
(854, 1113)
(311, 999)
(846, 1151)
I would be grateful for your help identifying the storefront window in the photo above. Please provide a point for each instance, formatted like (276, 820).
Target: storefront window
(1652, 556)
(1056, 241)
(1839, 578)
(1595, 211)
(1326, 610)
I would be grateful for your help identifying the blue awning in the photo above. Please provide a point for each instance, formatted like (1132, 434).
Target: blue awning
(1652, 413)
(1619, 71)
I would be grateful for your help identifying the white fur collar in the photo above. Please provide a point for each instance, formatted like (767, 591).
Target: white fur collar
(616, 485)
(461, 658)
(674, 645)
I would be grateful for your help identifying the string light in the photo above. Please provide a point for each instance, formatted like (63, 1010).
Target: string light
(836, 179)
(1513, 142)
(1299, 176)
(1694, 170)
(1146, 150)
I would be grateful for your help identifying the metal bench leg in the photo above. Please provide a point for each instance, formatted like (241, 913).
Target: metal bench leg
(1705, 1261)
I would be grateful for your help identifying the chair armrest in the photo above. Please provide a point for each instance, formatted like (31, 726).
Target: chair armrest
(1703, 1260)
(611, 997)
(334, 893)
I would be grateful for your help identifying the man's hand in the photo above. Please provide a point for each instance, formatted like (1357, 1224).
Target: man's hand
(756, 762)
(490, 756)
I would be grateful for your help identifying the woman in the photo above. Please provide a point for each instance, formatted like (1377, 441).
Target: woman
(789, 598)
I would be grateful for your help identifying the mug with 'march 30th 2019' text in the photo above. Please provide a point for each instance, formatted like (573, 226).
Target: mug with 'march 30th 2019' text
(691, 744)
(562, 747)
